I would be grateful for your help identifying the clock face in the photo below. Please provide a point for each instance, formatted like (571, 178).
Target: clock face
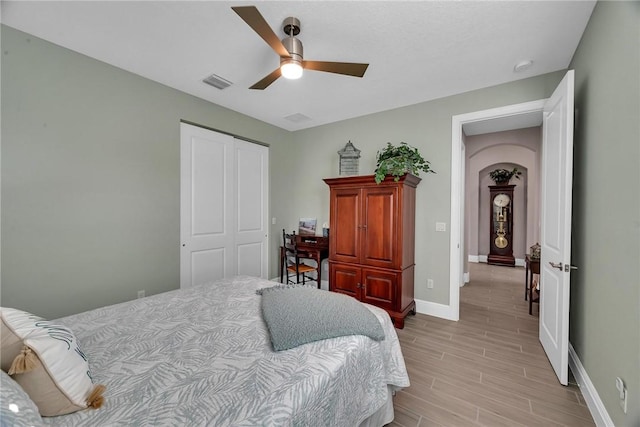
(501, 200)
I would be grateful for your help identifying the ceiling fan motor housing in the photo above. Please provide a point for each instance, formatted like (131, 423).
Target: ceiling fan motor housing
(294, 47)
(291, 27)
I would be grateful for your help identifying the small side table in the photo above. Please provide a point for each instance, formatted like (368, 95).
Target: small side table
(532, 266)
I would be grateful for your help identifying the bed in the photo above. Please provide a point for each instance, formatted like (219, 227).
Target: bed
(203, 356)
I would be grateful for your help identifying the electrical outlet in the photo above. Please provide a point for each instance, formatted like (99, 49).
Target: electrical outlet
(273, 221)
(622, 390)
(141, 294)
(429, 283)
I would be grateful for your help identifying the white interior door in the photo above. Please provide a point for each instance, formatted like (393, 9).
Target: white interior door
(223, 206)
(555, 263)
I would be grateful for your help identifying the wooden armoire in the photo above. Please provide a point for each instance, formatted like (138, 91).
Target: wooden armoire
(372, 241)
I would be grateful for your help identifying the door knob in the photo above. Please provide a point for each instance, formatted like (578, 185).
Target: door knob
(556, 265)
(568, 267)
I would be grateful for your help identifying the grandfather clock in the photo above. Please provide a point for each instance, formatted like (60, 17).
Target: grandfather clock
(501, 229)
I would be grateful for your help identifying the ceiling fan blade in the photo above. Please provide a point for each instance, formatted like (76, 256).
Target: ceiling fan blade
(254, 19)
(348, 68)
(265, 82)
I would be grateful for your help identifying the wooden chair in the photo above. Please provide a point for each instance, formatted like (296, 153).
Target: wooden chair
(532, 267)
(534, 294)
(292, 259)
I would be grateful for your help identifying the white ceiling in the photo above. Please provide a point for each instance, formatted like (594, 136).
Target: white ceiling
(417, 50)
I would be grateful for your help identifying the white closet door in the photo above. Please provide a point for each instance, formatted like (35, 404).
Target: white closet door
(252, 178)
(213, 195)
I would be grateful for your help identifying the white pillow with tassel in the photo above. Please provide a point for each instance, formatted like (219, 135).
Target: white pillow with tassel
(45, 359)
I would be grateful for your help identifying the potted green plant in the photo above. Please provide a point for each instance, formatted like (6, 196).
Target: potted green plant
(397, 160)
(503, 176)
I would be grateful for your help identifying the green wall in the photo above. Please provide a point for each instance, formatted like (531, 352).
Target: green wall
(605, 290)
(90, 183)
(426, 126)
(91, 177)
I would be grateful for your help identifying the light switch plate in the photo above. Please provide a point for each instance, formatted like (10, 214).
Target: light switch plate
(441, 226)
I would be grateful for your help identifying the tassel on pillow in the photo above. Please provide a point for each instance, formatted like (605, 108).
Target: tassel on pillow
(24, 362)
(95, 399)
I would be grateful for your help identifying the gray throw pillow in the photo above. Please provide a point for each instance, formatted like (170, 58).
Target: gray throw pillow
(297, 315)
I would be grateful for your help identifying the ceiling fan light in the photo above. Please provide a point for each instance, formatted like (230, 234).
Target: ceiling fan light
(291, 69)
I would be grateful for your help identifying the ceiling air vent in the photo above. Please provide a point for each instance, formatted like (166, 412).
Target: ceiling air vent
(217, 82)
(297, 118)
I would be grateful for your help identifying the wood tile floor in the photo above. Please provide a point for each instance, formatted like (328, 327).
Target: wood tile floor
(487, 369)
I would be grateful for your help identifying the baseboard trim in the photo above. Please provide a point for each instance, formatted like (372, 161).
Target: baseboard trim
(592, 398)
(434, 309)
(483, 259)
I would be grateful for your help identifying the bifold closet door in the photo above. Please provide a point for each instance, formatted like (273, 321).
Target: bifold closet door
(223, 206)
(251, 209)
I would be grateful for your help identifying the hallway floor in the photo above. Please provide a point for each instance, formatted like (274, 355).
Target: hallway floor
(488, 369)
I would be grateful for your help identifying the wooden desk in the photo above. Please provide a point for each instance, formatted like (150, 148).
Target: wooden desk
(532, 266)
(314, 247)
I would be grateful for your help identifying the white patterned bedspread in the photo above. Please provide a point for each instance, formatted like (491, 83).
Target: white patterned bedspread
(202, 356)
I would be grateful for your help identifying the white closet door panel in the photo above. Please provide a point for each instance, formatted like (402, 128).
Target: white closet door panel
(250, 259)
(208, 185)
(206, 206)
(252, 162)
(207, 265)
(250, 192)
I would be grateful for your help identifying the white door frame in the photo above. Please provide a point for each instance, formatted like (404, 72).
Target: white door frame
(456, 266)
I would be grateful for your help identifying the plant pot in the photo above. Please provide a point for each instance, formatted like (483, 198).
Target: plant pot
(502, 182)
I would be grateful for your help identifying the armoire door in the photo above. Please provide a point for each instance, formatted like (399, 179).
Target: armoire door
(379, 228)
(223, 206)
(344, 244)
(379, 287)
(346, 279)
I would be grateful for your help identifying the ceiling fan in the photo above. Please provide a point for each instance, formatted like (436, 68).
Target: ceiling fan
(290, 50)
